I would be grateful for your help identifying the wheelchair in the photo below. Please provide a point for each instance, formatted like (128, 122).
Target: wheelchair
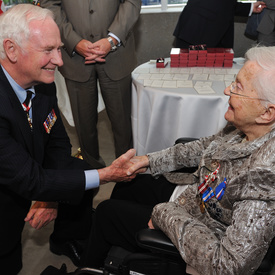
(162, 257)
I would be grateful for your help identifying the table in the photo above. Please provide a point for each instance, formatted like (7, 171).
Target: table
(168, 103)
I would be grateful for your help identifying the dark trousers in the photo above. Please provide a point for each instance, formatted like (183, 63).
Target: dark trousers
(117, 220)
(74, 221)
(13, 211)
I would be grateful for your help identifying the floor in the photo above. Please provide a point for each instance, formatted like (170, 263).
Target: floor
(36, 254)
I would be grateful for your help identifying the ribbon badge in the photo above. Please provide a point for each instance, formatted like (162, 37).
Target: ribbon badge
(50, 121)
(219, 191)
(205, 189)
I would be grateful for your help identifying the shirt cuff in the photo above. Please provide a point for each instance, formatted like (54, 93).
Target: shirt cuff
(115, 37)
(92, 179)
(251, 10)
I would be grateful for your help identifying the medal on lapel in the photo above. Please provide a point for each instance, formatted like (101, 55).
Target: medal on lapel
(207, 192)
(36, 2)
(219, 191)
(50, 121)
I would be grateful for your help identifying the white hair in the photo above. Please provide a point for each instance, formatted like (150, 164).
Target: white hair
(264, 81)
(14, 23)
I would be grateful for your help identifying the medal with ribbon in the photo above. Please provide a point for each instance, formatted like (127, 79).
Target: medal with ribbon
(50, 121)
(207, 192)
(219, 191)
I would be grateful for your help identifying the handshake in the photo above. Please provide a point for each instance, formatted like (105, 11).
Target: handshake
(124, 168)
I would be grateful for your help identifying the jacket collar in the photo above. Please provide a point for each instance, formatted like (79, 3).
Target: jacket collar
(232, 147)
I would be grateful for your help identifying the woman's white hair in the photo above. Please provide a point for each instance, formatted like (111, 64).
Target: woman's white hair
(14, 23)
(264, 82)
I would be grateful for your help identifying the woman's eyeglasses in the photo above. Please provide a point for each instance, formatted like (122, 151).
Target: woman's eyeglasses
(233, 90)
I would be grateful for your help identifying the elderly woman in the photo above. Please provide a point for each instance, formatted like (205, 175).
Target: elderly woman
(223, 221)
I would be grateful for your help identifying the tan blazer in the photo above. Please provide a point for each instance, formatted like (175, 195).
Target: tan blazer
(92, 20)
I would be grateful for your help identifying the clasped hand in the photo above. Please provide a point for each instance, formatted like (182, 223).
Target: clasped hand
(93, 52)
(124, 168)
(258, 6)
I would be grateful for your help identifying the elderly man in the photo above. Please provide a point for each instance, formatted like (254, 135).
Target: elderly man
(35, 153)
(223, 220)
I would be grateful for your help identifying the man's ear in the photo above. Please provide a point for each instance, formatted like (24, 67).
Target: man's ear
(10, 49)
(268, 116)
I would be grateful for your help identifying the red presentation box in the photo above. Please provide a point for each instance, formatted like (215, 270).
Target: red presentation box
(173, 65)
(228, 53)
(228, 63)
(200, 55)
(184, 53)
(193, 57)
(211, 52)
(220, 52)
(211, 64)
(175, 52)
(192, 64)
(201, 64)
(219, 64)
(183, 62)
(202, 51)
(161, 63)
(193, 49)
(174, 61)
(201, 58)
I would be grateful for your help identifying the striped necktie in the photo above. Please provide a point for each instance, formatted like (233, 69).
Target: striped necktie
(27, 106)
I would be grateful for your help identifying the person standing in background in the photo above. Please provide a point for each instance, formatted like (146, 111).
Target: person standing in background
(106, 26)
(211, 22)
(266, 32)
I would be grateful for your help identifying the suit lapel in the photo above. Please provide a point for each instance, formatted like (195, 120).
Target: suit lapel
(17, 110)
(41, 107)
(39, 112)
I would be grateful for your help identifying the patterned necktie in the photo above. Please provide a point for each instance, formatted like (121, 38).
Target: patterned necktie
(27, 106)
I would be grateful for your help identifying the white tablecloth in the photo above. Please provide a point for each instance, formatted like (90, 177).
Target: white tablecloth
(161, 114)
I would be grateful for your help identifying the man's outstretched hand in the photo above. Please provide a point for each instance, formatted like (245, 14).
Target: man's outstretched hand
(117, 171)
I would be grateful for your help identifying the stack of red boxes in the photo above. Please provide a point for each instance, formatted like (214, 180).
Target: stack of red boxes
(228, 57)
(200, 56)
(175, 57)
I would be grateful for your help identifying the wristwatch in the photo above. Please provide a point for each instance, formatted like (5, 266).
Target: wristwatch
(113, 46)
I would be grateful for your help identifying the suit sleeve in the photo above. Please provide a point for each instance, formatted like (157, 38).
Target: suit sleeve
(182, 155)
(270, 4)
(125, 19)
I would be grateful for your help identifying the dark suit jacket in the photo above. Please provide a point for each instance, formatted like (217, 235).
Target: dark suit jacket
(210, 22)
(29, 160)
(93, 20)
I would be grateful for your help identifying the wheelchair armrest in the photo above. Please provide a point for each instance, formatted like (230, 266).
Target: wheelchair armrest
(88, 270)
(185, 140)
(156, 241)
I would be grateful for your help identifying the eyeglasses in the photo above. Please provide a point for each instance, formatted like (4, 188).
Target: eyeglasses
(233, 87)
